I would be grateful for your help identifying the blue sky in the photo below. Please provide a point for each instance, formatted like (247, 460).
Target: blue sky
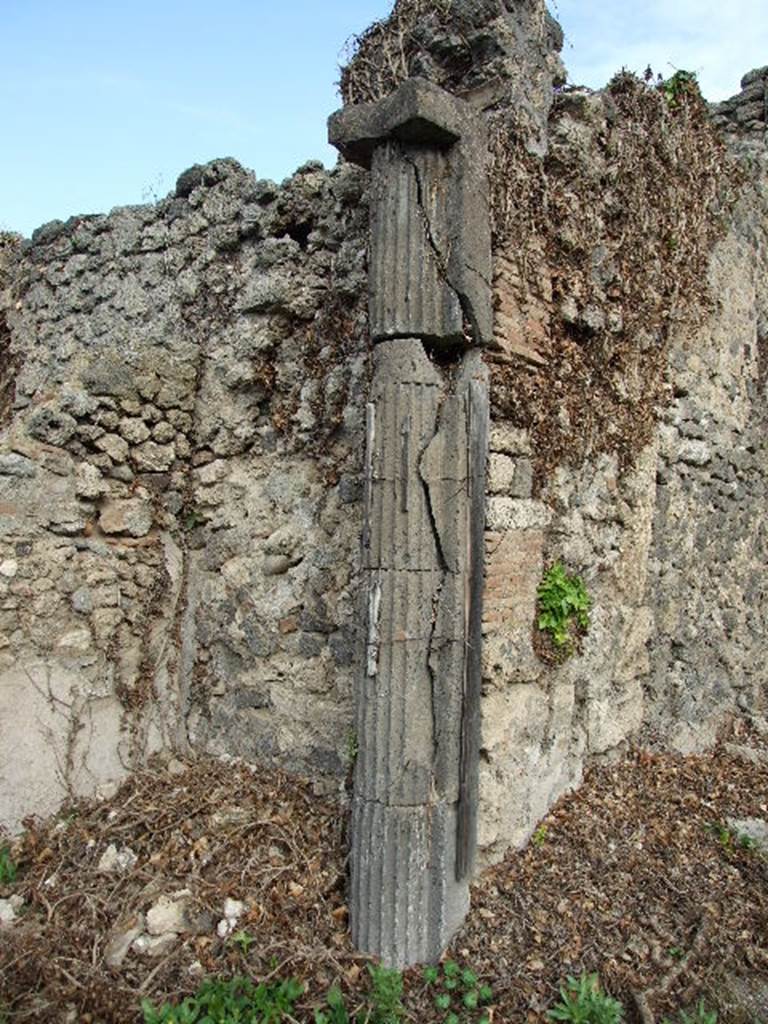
(104, 102)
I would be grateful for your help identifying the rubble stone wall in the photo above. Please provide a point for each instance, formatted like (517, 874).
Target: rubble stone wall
(707, 570)
(180, 475)
(182, 431)
(672, 548)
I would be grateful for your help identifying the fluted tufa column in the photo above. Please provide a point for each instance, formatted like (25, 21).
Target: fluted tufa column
(417, 702)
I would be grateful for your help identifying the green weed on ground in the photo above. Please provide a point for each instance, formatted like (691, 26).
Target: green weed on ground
(230, 1001)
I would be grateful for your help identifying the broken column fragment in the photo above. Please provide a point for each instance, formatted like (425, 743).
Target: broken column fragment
(414, 805)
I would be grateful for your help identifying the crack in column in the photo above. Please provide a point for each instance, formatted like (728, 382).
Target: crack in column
(479, 273)
(437, 592)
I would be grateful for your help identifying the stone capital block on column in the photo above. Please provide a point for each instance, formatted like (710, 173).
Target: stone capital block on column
(418, 111)
(430, 227)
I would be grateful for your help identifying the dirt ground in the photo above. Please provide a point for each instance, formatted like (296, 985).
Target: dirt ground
(635, 877)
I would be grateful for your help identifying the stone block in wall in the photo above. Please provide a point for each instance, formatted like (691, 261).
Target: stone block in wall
(514, 566)
(510, 477)
(509, 440)
(532, 743)
(132, 516)
(505, 513)
(501, 473)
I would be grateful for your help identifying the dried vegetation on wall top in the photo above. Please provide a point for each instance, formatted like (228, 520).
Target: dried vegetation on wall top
(606, 244)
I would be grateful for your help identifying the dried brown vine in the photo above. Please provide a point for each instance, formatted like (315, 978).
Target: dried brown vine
(382, 57)
(609, 238)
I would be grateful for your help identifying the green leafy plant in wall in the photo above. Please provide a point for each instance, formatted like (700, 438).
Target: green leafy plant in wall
(563, 609)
